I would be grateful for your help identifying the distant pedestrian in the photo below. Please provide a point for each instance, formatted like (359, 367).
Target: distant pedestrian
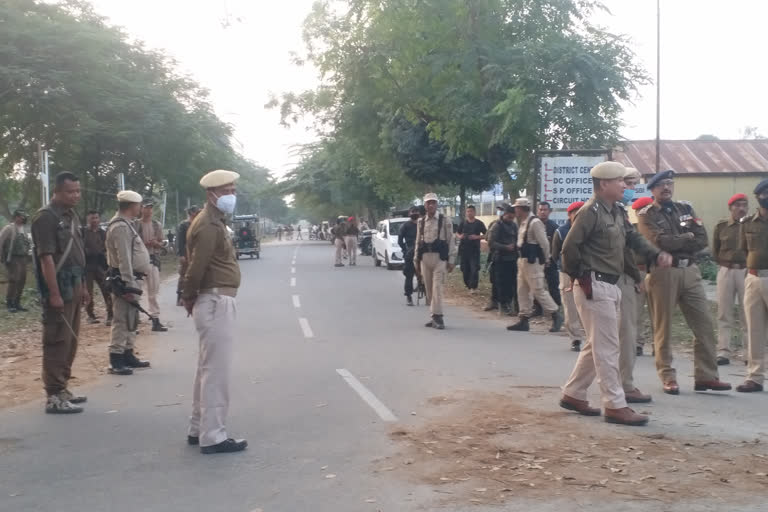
(280, 233)
(298, 232)
(350, 240)
(339, 231)
(14, 252)
(572, 324)
(470, 232)
(95, 239)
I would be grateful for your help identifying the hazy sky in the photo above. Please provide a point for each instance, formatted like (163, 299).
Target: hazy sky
(711, 73)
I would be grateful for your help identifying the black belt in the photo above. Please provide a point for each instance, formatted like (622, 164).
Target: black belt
(607, 278)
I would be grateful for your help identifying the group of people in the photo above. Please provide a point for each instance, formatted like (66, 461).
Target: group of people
(119, 259)
(345, 234)
(288, 231)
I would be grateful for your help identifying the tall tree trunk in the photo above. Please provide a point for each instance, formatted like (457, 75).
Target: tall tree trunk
(462, 201)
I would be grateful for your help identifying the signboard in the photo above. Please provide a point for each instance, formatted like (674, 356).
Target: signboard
(564, 179)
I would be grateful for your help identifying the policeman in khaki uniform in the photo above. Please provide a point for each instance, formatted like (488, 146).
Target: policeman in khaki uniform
(726, 248)
(127, 257)
(14, 251)
(434, 256)
(593, 255)
(210, 287)
(754, 240)
(675, 228)
(572, 322)
(534, 251)
(642, 316)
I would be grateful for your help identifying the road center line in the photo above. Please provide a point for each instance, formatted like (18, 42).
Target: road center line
(293, 270)
(293, 282)
(296, 302)
(304, 323)
(383, 412)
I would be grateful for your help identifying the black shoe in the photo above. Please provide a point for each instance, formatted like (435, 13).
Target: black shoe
(409, 300)
(576, 345)
(131, 361)
(505, 309)
(492, 306)
(12, 307)
(193, 440)
(228, 446)
(723, 361)
(157, 326)
(117, 365)
(437, 322)
(557, 322)
(339, 265)
(20, 308)
(639, 351)
(521, 325)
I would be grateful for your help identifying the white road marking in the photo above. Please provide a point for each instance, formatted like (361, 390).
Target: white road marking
(296, 302)
(293, 282)
(384, 413)
(304, 323)
(293, 270)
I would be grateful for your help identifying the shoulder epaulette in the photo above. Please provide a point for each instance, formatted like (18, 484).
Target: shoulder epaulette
(595, 207)
(645, 209)
(621, 205)
(686, 203)
(744, 219)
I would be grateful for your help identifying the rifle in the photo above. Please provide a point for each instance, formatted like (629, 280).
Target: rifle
(421, 290)
(120, 288)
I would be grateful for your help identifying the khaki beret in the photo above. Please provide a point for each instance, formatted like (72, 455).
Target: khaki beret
(430, 197)
(523, 202)
(128, 196)
(218, 178)
(631, 172)
(608, 171)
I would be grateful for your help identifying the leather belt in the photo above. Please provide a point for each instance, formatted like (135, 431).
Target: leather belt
(736, 266)
(682, 262)
(222, 290)
(606, 278)
(758, 272)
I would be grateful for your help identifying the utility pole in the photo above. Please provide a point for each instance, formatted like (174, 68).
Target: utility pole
(658, 85)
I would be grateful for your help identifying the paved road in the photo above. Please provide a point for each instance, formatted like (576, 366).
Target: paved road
(324, 358)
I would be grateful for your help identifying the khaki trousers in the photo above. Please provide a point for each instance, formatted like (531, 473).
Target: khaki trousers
(644, 328)
(124, 323)
(151, 290)
(668, 287)
(599, 357)
(351, 244)
(60, 344)
(214, 317)
(339, 249)
(627, 331)
(433, 271)
(572, 321)
(756, 306)
(730, 291)
(531, 282)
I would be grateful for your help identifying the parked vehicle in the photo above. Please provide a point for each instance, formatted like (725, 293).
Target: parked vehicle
(247, 236)
(385, 248)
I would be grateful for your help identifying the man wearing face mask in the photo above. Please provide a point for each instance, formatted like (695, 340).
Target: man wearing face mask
(732, 260)
(674, 227)
(406, 239)
(210, 287)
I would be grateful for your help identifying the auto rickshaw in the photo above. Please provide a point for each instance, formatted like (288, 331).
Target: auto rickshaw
(247, 237)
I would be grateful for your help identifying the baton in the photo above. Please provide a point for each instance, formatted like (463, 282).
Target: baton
(72, 331)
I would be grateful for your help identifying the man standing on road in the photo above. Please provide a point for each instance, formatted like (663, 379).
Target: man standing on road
(493, 303)
(471, 231)
(732, 260)
(211, 284)
(533, 248)
(504, 250)
(298, 232)
(127, 259)
(339, 232)
(181, 249)
(151, 233)
(14, 251)
(551, 274)
(434, 256)
(95, 238)
(643, 327)
(675, 228)
(61, 274)
(350, 240)
(572, 321)
(406, 239)
(593, 255)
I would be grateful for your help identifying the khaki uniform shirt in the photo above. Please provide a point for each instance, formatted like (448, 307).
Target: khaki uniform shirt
(150, 232)
(210, 253)
(537, 234)
(430, 233)
(125, 250)
(726, 243)
(7, 239)
(598, 238)
(754, 240)
(51, 233)
(661, 225)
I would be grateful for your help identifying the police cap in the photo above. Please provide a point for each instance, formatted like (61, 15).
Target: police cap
(128, 196)
(608, 171)
(218, 178)
(663, 175)
(761, 187)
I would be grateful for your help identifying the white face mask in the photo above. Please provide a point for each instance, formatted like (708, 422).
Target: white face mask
(227, 203)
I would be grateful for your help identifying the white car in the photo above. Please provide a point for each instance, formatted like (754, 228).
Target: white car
(385, 248)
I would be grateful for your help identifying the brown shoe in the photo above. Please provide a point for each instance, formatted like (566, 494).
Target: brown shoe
(637, 397)
(749, 386)
(714, 385)
(580, 406)
(671, 388)
(625, 416)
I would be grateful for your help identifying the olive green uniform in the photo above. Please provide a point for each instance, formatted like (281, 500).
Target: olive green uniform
(669, 227)
(732, 260)
(14, 249)
(754, 240)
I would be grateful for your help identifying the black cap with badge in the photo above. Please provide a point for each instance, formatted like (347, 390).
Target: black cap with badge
(658, 177)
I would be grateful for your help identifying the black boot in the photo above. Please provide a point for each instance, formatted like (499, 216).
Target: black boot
(521, 325)
(437, 322)
(557, 322)
(11, 306)
(157, 326)
(19, 307)
(408, 300)
(131, 361)
(117, 365)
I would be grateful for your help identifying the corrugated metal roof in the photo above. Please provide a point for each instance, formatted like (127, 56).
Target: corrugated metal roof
(696, 156)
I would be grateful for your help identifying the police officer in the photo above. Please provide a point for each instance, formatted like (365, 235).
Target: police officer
(350, 240)
(434, 256)
(210, 287)
(127, 258)
(493, 303)
(593, 255)
(572, 321)
(675, 228)
(61, 276)
(754, 240)
(181, 248)
(339, 232)
(504, 250)
(732, 260)
(14, 251)
(94, 239)
(151, 233)
(551, 274)
(533, 248)
(406, 239)
(643, 327)
(470, 232)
